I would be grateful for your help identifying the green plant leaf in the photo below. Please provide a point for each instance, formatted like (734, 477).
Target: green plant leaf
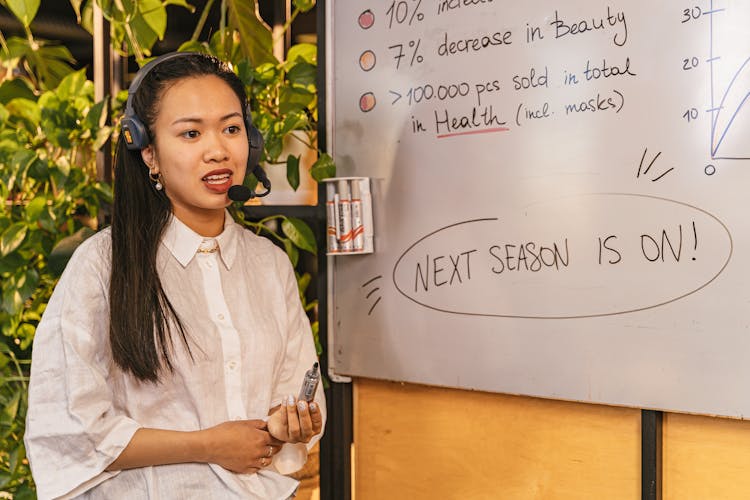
(59, 119)
(87, 16)
(12, 238)
(102, 135)
(60, 52)
(11, 263)
(25, 108)
(8, 325)
(48, 220)
(232, 52)
(35, 207)
(25, 332)
(273, 146)
(53, 71)
(10, 410)
(104, 191)
(265, 73)
(24, 10)
(306, 52)
(193, 46)
(10, 89)
(24, 492)
(75, 177)
(39, 170)
(154, 15)
(295, 120)
(96, 116)
(295, 99)
(303, 75)
(255, 35)
(291, 251)
(26, 282)
(77, 8)
(63, 166)
(245, 72)
(71, 85)
(300, 234)
(14, 456)
(303, 5)
(5, 223)
(20, 164)
(323, 168)
(144, 36)
(303, 282)
(46, 62)
(315, 327)
(120, 11)
(292, 171)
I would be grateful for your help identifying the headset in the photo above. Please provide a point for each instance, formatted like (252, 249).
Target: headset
(135, 133)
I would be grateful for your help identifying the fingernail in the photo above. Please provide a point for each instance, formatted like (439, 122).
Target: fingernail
(313, 407)
(290, 400)
(301, 405)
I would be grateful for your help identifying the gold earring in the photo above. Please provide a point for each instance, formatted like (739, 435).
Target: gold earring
(156, 179)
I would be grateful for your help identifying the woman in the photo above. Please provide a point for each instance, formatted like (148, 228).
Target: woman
(167, 361)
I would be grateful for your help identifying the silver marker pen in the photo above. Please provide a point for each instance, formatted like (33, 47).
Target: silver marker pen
(331, 218)
(358, 232)
(309, 384)
(345, 216)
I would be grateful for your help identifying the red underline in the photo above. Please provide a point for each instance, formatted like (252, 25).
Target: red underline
(470, 132)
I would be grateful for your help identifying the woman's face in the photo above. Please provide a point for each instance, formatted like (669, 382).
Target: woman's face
(200, 147)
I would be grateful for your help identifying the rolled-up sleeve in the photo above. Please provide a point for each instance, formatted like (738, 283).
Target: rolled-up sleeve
(73, 428)
(299, 357)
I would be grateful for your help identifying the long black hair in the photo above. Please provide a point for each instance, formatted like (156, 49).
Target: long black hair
(140, 311)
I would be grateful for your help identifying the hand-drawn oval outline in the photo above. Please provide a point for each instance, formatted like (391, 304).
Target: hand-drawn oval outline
(490, 219)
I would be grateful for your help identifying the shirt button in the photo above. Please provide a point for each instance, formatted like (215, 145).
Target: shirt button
(237, 417)
(209, 264)
(232, 365)
(220, 316)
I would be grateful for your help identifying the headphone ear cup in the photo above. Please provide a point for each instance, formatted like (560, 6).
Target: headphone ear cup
(134, 133)
(255, 140)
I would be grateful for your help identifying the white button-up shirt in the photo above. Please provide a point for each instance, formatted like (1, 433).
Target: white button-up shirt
(251, 346)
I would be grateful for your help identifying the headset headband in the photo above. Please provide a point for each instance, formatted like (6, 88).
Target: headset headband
(129, 111)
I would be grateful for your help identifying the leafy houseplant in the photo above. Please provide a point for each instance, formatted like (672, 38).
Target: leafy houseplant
(50, 129)
(50, 199)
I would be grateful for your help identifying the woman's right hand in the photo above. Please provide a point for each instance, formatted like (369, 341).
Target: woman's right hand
(242, 446)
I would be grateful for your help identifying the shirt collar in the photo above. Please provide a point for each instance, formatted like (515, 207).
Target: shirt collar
(183, 242)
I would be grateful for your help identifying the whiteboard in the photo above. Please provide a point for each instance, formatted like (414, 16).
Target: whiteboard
(560, 195)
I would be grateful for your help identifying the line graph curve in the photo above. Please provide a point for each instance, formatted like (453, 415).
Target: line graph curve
(730, 79)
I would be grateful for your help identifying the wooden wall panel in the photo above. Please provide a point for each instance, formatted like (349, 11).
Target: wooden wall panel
(418, 442)
(705, 458)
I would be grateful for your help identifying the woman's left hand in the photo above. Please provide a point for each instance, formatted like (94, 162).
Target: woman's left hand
(295, 421)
